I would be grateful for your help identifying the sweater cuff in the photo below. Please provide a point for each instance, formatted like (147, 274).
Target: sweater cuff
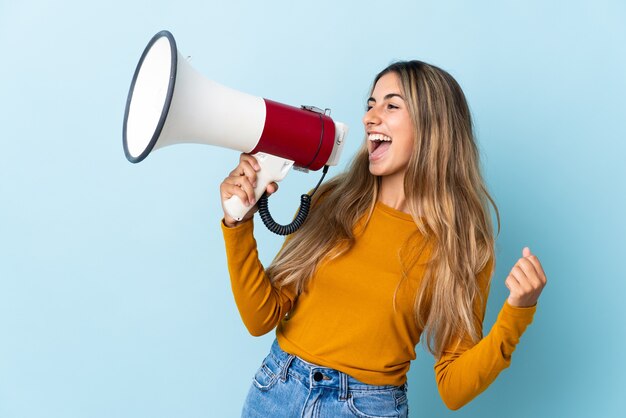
(234, 231)
(239, 241)
(520, 313)
(513, 321)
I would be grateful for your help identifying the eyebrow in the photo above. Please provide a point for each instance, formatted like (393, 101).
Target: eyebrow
(387, 97)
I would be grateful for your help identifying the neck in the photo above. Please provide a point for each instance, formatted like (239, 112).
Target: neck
(391, 193)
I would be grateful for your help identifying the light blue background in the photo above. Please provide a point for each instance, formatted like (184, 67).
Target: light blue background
(114, 295)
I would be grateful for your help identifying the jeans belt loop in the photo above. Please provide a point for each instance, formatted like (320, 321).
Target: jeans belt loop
(343, 386)
(285, 369)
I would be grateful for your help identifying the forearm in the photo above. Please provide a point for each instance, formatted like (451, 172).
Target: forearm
(463, 374)
(260, 305)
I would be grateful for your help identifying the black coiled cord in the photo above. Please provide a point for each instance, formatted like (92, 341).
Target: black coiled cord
(303, 212)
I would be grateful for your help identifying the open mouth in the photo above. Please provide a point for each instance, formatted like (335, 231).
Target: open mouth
(379, 144)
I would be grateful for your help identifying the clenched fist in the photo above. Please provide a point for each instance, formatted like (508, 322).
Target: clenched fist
(525, 281)
(241, 182)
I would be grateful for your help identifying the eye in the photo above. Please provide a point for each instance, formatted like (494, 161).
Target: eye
(392, 106)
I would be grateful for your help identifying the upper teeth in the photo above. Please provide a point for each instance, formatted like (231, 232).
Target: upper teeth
(378, 137)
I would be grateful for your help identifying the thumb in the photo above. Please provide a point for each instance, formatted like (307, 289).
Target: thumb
(526, 252)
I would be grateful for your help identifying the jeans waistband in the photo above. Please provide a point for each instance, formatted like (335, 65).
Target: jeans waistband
(313, 375)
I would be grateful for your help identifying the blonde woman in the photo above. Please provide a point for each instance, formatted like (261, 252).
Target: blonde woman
(397, 249)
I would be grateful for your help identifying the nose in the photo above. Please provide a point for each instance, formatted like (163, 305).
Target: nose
(371, 117)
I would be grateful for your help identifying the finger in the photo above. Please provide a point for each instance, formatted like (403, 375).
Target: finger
(238, 186)
(250, 160)
(523, 283)
(529, 271)
(272, 188)
(246, 185)
(538, 267)
(512, 284)
(230, 187)
(526, 252)
(245, 169)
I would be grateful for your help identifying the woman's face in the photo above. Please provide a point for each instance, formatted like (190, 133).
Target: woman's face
(389, 128)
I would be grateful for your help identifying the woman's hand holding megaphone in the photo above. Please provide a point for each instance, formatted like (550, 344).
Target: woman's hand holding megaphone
(241, 182)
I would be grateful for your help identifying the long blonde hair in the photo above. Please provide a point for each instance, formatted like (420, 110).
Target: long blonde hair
(446, 197)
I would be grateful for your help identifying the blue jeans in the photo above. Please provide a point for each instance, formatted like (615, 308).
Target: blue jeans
(287, 386)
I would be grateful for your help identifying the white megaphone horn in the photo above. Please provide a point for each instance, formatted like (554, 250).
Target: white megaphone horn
(171, 103)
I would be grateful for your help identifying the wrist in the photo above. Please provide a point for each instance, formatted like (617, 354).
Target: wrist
(521, 304)
(230, 224)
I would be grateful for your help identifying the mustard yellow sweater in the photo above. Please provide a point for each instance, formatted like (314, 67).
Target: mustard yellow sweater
(346, 318)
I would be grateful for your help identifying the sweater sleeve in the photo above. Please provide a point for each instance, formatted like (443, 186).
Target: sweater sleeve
(466, 370)
(261, 305)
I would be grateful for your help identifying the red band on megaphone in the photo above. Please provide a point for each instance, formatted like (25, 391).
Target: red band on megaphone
(304, 136)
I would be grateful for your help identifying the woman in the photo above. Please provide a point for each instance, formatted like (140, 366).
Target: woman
(401, 246)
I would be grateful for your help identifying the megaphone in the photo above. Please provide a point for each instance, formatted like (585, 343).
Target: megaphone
(169, 102)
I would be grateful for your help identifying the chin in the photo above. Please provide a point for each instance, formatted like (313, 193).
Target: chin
(380, 168)
(385, 170)
(374, 170)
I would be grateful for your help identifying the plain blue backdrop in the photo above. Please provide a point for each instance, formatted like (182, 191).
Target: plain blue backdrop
(114, 295)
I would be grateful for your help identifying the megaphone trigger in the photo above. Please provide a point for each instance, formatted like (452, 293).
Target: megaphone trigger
(272, 169)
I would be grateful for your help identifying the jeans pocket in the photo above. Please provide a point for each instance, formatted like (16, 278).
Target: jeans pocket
(374, 404)
(265, 377)
(402, 402)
